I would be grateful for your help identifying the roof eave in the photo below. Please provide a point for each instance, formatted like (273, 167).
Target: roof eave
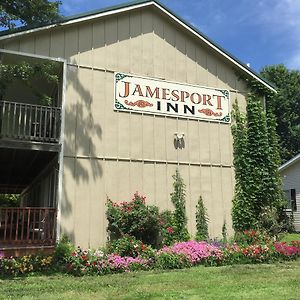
(289, 163)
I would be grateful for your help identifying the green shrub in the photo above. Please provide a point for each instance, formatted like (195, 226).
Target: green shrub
(166, 260)
(166, 221)
(129, 246)
(251, 237)
(134, 218)
(63, 250)
(201, 221)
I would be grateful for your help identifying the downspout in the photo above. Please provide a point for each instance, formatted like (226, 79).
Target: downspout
(60, 195)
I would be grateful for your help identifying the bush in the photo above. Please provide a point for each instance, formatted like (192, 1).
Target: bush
(268, 221)
(134, 218)
(201, 221)
(166, 221)
(63, 250)
(167, 261)
(129, 246)
(250, 237)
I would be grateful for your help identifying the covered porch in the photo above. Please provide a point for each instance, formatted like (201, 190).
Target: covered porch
(32, 175)
(30, 129)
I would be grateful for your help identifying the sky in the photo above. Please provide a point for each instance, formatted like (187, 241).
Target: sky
(257, 32)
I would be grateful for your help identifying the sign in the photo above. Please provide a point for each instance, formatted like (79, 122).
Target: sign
(148, 95)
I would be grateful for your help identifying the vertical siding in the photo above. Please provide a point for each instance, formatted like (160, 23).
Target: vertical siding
(114, 154)
(291, 180)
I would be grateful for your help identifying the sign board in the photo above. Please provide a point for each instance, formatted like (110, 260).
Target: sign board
(148, 95)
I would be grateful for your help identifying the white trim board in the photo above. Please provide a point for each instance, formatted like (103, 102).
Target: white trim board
(289, 163)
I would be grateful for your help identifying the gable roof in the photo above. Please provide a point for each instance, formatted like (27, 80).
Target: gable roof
(289, 162)
(134, 5)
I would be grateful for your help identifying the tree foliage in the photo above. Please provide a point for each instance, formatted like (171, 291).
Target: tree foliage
(285, 105)
(9, 200)
(201, 221)
(27, 74)
(179, 215)
(256, 159)
(28, 12)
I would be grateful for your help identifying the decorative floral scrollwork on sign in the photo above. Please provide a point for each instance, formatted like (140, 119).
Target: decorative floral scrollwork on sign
(119, 105)
(226, 119)
(209, 112)
(139, 103)
(120, 76)
(225, 93)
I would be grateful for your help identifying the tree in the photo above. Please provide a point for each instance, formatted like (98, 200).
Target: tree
(179, 215)
(201, 221)
(28, 12)
(285, 105)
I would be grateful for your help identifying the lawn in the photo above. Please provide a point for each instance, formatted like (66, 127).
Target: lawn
(274, 281)
(291, 237)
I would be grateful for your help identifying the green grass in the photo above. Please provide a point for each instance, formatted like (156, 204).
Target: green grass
(291, 237)
(274, 281)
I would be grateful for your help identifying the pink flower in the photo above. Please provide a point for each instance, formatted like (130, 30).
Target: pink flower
(170, 230)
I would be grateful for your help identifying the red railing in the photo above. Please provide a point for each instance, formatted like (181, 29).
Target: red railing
(28, 225)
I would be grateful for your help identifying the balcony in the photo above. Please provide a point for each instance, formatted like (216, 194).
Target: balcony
(29, 122)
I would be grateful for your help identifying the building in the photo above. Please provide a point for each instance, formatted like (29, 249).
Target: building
(141, 93)
(290, 172)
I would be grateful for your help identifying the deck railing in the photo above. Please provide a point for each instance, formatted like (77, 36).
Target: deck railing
(29, 122)
(27, 226)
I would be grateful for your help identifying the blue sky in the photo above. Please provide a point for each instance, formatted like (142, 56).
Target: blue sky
(261, 32)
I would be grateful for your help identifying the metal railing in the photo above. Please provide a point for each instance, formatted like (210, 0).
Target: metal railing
(29, 122)
(27, 226)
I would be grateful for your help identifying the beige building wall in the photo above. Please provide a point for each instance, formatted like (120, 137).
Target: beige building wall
(113, 154)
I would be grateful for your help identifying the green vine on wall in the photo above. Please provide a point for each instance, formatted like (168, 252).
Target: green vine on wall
(256, 161)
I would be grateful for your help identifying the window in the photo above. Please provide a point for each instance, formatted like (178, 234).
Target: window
(290, 195)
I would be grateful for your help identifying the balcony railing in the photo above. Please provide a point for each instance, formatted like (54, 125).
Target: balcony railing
(29, 122)
(27, 226)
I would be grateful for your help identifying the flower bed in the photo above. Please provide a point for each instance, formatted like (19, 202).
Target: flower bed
(180, 255)
(96, 262)
(25, 264)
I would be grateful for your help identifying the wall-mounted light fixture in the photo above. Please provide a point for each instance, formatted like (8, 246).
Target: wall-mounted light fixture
(179, 140)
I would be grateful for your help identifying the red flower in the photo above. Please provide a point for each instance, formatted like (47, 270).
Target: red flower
(256, 251)
(170, 229)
